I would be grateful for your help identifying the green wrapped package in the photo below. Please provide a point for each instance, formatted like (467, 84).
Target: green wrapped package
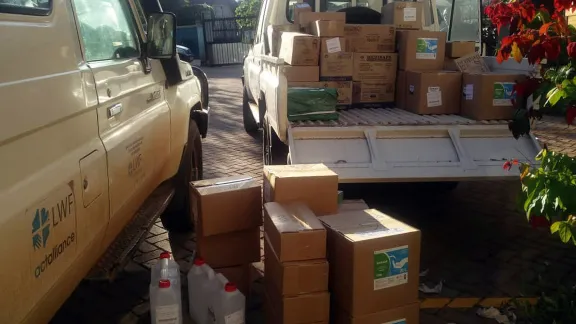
(312, 104)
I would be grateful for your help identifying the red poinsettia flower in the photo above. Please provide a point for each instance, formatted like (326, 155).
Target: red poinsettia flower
(571, 48)
(570, 115)
(552, 48)
(539, 221)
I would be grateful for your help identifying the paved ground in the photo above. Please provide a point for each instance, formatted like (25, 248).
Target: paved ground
(473, 239)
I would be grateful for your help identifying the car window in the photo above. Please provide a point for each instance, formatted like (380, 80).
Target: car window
(106, 29)
(26, 7)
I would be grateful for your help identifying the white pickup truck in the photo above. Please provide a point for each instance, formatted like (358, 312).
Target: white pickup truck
(382, 144)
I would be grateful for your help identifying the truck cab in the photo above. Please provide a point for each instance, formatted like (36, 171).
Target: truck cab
(383, 144)
(100, 133)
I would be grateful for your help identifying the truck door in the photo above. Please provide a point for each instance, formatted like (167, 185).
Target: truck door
(254, 65)
(133, 116)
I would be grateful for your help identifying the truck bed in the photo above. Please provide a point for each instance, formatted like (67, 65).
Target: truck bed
(393, 117)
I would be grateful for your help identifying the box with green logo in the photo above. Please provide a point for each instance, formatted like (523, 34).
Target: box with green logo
(488, 96)
(421, 50)
(374, 261)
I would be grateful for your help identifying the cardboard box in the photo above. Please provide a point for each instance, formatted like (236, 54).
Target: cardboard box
(460, 49)
(274, 34)
(375, 66)
(403, 15)
(333, 45)
(313, 184)
(352, 204)
(370, 38)
(239, 275)
(433, 92)
(299, 8)
(344, 89)
(230, 249)
(301, 73)
(327, 28)
(384, 270)
(450, 65)
(224, 205)
(305, 18)
(407, 314)
(336, 66)
(301, 309)
(372, 92)
(294, 232)
(421, 50)
(401, 90)
(299, 49)
(487, 95)
(296, 277)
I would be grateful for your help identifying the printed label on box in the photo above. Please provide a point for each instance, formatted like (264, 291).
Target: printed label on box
(469, 91)
(390, 267)
(434, 99)
(411, 88)
(433, 89)
(426, 48)
(333, 45)
(502, 94)
(400, 321)
(409, 14)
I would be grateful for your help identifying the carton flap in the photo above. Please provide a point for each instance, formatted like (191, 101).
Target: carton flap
(212, 186)
(298, 170)
(361, 225)
(292, 217)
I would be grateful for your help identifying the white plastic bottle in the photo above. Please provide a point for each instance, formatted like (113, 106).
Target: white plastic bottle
(165, 305)
(230, 305)
(202, 301)
(167, 268)
(197, 276)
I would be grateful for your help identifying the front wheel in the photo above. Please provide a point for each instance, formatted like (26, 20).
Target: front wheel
(178, 215)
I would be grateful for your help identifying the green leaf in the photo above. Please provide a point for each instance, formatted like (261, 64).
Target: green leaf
(555, 227)
(564, 229)
(557, 95)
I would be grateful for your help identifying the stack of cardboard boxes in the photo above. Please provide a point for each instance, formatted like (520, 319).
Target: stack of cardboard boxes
(296, 280)
(227, 218)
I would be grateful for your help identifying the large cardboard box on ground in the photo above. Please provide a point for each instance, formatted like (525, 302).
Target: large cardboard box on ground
(421, 50)
(375, 66)
(239, 275)
(301, 73)
(351, 205)
(274, 34)
(301, 309)
(330, 45)
(296, 277)
(299, 49)
(487, 95)
(294, 232)
(370, 38)
(401, 90)
(460, 49)
(230, 249)
(299, 8)
(224, 205)
(406, 314)
(433, 92)
(336, 66)
(327, 28)
(372, 92)
(374, 261)
(344, 90)
(306, 18)
(403, 15)
(313, 184)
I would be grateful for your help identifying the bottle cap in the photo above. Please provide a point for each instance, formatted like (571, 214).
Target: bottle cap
(230, 287)
(164, 284)
(199, 261)
(165, 255)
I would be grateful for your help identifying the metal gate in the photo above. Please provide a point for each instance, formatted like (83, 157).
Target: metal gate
(228, 40)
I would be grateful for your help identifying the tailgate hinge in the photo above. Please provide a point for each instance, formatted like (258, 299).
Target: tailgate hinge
(465, 160)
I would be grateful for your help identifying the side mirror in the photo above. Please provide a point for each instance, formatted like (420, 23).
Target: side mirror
(161, 35)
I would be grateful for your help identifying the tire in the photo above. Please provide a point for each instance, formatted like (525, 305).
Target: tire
(250, 124)
(177, 217)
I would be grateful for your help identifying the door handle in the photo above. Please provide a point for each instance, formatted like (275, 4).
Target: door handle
(114, 110)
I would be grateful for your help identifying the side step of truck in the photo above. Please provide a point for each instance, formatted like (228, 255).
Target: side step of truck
(124, 246)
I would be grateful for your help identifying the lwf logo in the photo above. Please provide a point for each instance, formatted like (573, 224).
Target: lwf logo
(40, 228)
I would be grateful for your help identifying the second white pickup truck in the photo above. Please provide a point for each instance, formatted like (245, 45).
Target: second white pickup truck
(374, 145)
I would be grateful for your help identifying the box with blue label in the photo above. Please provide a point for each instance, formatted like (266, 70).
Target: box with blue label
(406, 314)
(374, 261)
(421, 50)
(488, 96)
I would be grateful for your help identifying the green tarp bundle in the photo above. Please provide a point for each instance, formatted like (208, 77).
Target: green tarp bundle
(312, 104)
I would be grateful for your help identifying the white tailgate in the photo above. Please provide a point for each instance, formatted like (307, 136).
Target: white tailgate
(410, 152)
